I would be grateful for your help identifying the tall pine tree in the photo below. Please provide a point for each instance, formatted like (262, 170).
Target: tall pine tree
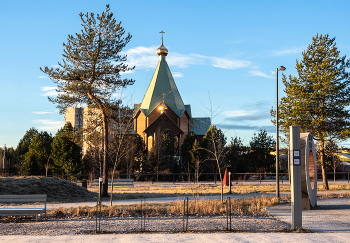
(91, 71)
(317, 99)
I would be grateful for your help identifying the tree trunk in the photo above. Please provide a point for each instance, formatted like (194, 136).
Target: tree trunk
(112, 188)
(101, 107)
(105, 155)
(323, 166)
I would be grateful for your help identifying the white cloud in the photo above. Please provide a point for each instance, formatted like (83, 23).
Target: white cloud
(43, 77)
(42, 112)
(291, 51)
(177, 60)
(244, 115)
(146, 58)
(141, 50)
(259, 73)
(228, 64)
(49, 91)
(49, 125)
(47, 88)
(239, 113)
(270, 129)
(178, 75)
(142, 57)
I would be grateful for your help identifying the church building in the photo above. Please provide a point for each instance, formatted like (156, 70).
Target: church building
(163, 108)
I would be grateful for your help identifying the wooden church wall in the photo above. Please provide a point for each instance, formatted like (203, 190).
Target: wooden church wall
(140, 124)
(184, 124)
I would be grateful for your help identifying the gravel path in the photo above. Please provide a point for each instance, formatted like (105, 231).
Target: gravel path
(56, 227)
(332, 215)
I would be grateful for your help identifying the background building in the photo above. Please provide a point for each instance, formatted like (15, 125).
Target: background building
(75, 116)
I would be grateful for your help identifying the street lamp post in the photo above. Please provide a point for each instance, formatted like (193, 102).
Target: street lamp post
(281, 68)
(3, 159)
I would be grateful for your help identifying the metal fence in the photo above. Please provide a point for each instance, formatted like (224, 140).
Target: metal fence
(190, 177)
(180, 177)
(188, 219)
(205, 177)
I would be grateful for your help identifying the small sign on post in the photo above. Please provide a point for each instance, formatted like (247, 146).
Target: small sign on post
(296, 157)
(295, 174)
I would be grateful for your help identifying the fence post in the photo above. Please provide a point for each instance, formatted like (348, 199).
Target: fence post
(98, 206)
(185, 218)
(229, 180)
(228, 214)
(143, 217)
(260, 178)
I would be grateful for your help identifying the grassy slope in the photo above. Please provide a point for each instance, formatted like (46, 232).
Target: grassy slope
(57, 190)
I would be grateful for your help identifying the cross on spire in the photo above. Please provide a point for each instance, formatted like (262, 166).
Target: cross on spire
(164, 94)
(162, 32)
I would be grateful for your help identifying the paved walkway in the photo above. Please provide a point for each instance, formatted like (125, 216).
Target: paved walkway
(329, 216)
(186, 237)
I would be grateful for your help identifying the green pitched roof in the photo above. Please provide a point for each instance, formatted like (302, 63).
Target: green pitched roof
(162, 83)
(200, 125)
(188, 109)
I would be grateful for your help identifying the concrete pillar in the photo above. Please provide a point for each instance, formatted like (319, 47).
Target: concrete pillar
(295, 174)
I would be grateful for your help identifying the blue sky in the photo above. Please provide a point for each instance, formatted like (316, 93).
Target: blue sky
(225, 50)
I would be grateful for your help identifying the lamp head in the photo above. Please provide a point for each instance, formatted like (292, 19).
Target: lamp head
(281, 68)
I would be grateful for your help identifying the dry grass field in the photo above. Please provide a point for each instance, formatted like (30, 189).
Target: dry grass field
(241, 207)
(59, 190)
(167, 189)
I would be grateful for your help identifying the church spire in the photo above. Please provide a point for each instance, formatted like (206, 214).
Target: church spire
(162, 51)
(162, 88)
